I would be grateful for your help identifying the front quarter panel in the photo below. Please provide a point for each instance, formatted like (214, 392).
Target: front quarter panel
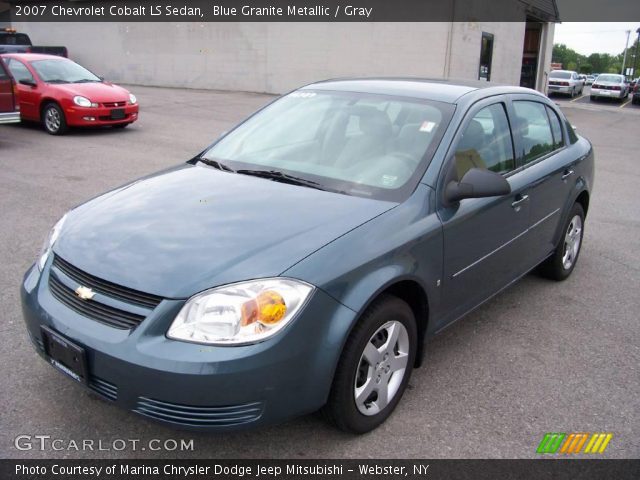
(405, 243)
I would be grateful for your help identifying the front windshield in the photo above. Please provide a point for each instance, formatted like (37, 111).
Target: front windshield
(62, 71)
(359, 144)
(610, 78)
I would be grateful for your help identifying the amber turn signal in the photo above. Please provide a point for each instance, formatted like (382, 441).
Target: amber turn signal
(268, 308)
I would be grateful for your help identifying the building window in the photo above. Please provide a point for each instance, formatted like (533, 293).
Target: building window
(486, 54)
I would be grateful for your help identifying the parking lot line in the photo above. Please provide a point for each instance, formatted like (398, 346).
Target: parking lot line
(578, 98)
(625, 104)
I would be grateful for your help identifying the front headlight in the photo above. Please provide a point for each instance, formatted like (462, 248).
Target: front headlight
(132, 99)
(240, 313)
(83, 102)
(49, 242)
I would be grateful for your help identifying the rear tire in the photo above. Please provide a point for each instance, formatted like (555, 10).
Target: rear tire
(53, 119)
(374, 368)
(564, 258)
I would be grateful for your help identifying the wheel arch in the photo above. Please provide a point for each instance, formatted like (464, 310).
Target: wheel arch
(46, 101)
(412, 291)
(583, 200)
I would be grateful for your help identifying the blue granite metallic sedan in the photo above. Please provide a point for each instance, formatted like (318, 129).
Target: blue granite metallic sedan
(301, 261)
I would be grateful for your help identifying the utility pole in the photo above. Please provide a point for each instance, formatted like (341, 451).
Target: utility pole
(624, 59)
(635, 60)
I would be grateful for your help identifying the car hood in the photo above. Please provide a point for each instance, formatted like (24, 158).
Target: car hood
(191, 228)
(96, 92)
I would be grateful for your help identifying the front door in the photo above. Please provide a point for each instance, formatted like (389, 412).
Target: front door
(483, 237)
(28, 96)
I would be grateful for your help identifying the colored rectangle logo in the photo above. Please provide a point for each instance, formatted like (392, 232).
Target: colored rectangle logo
(572, 443)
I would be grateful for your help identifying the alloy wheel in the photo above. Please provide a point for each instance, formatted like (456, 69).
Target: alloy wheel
(52, 119)
(381, 368)
(572, 240)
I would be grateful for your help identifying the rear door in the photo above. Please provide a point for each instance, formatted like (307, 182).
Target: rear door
(548, 166)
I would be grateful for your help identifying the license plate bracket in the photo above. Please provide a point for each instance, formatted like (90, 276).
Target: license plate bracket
(117, 114)
(65, 355)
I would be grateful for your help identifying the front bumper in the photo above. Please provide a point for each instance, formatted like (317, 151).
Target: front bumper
(100, 116)
(199, 387)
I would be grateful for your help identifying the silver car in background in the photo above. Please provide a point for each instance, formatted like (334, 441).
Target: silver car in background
(609, 85)
(566, 82)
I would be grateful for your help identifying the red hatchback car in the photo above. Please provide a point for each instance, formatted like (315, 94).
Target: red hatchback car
(61, 94)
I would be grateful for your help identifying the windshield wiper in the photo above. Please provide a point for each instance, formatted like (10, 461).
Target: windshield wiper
(57, 80)
(86, 80)
(281, 177)
(215, 164)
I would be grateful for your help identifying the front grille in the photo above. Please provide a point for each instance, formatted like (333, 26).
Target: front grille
(108, 118)
(106, 288)
(199, 416)
(100, 312)
(114, 104)
(104, 388)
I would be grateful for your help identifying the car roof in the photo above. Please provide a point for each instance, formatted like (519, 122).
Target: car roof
(441, 90)
(30, 57)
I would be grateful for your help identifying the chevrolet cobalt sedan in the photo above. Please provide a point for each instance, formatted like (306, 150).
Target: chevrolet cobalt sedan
(59, 93)
(301, 261)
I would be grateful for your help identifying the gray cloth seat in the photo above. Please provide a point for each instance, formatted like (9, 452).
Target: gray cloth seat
(372, 140)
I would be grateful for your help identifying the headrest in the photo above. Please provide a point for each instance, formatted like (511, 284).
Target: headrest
(473, 137)
(373, 122)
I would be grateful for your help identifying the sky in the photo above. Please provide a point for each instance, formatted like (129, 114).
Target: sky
(602, 37)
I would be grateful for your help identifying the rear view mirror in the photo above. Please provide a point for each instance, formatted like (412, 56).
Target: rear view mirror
(27, 82)
(477, 183)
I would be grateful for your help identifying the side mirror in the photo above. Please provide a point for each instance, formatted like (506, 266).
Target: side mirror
(477, 183)
(27, 82)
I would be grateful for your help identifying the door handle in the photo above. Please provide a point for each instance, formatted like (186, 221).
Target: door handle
(516, 204)
(567, 174)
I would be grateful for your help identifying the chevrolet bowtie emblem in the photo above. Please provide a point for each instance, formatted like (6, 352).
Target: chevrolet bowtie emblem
(84, 293)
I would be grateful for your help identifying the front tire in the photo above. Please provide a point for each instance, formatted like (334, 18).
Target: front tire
(374, 368)
(53, 120)
(563, 260)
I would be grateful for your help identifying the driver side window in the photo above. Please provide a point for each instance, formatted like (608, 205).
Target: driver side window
(486, 143)
(19, 71)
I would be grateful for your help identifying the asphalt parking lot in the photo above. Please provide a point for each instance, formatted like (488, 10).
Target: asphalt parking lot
(541, 357)
(598, 104)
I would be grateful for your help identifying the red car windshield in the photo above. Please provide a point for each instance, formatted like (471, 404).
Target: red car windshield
(62, 71)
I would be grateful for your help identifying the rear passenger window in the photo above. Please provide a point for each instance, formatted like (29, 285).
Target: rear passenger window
(556, 129)
(535, 131)
(486, 143)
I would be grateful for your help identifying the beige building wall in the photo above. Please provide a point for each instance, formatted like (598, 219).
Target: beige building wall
(277, 57)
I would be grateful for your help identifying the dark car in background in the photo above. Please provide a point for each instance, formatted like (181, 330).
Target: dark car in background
(301, 261)
(635, 99)
(12, 41)
(9, 112)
